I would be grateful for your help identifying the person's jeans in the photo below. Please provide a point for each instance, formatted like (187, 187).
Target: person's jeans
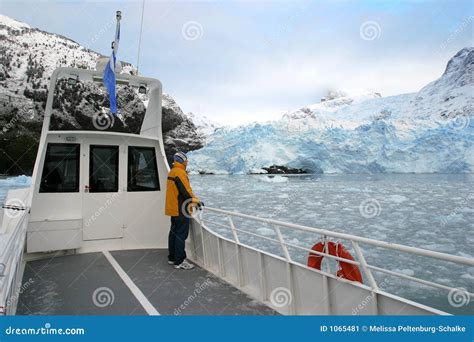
(178, 234)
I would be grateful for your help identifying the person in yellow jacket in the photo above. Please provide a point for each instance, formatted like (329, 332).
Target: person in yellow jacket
(179, 199)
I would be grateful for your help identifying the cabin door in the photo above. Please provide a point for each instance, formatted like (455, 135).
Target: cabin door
(102, 212)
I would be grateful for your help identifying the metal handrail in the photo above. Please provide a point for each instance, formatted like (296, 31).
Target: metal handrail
(11, 242)
(353, 238)
(377, 243)
(284, 243)
(9, 259)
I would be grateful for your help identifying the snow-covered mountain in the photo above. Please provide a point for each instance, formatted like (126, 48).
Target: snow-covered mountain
(204, 124)
(431, 130)
(28, 56)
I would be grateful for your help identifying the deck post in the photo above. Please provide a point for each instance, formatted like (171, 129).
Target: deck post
(289, 273)
(368, 273)
(240, 278)
(327, 293)
(363, 264)
(263, 285)
(220, 257)
(204, 259)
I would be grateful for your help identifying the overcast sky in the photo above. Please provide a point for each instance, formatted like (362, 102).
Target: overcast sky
(238, 62)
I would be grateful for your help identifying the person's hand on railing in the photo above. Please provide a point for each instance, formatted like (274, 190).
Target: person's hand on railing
(197, 202)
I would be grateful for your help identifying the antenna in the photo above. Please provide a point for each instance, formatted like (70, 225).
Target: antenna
(140, 37)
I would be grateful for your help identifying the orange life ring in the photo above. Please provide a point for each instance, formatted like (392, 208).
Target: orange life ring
(346, 270)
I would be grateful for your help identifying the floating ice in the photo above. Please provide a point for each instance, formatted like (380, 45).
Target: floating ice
(397, 198)
(265, 231)
(13, 183)
(274, 179)
(405, 271)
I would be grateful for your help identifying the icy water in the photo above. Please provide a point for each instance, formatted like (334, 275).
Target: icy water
(434, 212)
(7, 183)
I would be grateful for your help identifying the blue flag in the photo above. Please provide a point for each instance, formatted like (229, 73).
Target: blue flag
(109, 82)
(109, 72)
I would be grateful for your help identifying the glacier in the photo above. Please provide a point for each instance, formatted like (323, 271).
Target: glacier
(430, 131)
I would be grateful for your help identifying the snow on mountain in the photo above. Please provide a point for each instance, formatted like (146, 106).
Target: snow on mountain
(28, 56)
(12, 23)
(431, 130)
(205, 125)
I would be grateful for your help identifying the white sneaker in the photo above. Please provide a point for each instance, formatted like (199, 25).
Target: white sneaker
(185, 265)
(170, 262)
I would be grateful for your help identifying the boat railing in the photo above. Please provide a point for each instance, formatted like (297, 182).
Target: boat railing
(12, 243)
(326, 235)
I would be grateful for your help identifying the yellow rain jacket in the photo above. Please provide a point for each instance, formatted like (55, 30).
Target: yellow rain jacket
(178, 190)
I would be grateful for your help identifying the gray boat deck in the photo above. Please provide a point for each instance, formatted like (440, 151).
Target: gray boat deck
(87, 284)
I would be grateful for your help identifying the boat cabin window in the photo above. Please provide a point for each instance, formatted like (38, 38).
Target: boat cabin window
(103, 168)
(142, 169)
(61, 168)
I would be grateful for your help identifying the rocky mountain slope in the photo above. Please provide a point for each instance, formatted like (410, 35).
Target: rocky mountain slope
(428, 131)
(28, 56)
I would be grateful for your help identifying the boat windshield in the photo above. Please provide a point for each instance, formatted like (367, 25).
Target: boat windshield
(84, 105)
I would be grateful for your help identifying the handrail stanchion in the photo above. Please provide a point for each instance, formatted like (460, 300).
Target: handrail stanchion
(220, 258)
(204, 254)
(363, 264)
(240, 277)
(326, 251)
(263, 284)
(289, 273)
(327, 297)
(232, 227)
(368, 273)
(282, 244)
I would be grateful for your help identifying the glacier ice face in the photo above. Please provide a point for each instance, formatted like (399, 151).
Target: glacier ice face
(431, 131)
(376, 147)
